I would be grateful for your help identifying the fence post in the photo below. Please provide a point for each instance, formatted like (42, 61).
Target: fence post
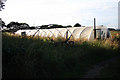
(94, 28)
(67, 35)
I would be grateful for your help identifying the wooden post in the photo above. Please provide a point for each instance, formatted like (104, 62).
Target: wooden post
(67, 35)
(94, 28)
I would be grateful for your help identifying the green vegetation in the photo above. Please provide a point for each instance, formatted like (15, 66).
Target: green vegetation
(25, 57)
(112, 70)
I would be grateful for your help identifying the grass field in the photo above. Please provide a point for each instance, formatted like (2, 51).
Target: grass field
(112, 70)
(33, 58)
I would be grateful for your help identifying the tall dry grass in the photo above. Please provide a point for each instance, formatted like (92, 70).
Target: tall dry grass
(37, 57)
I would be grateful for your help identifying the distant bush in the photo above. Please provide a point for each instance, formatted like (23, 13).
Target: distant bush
(31, 28)
(77, 25)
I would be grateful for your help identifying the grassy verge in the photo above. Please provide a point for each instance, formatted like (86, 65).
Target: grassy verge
(25, 57)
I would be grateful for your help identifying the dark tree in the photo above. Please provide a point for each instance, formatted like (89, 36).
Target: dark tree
(3, 24)
(12, 24)
(54, 26)
(43, 26)
(69, 26)
(18, 25)
(77, 25)
(2, 4)
(33, 27)
(23, 26)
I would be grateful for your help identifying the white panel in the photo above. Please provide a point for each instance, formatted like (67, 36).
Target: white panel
(51, 32)
(18, 32)
(28, 32)
(47, 32)
(70, 31)
(62, 32)
(56, 32)
(85, 33)
(40, 32)
(77, 31)
(43, 33)
(91, 36)
(37, 33)
(31, 32)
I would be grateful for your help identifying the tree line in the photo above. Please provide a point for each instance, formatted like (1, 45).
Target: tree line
(14, 26)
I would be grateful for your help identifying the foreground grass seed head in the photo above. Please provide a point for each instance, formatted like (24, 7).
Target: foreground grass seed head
(110, 43)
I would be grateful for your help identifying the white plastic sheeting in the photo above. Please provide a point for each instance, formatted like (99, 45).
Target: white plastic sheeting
(86, 33)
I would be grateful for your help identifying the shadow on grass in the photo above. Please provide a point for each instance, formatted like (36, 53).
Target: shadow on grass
(37, 58)
(112, 70)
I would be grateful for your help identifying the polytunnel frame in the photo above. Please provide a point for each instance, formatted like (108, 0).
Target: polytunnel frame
(36, 32)
(44, 34)
(58, 31)
(79, 33)
(90, 33)
(70, 35)
(65, 33)
(51, 32)
(28, 32)
(82, 31)
(33, 33)
(70, 32)
(39, 33)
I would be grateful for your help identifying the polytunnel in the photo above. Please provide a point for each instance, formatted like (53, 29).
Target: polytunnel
(73, 33)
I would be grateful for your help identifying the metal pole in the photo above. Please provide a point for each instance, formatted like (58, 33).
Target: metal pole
(94, 28)
(119, 15)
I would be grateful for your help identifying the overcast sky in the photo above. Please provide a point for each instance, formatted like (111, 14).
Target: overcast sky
(64, 12)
